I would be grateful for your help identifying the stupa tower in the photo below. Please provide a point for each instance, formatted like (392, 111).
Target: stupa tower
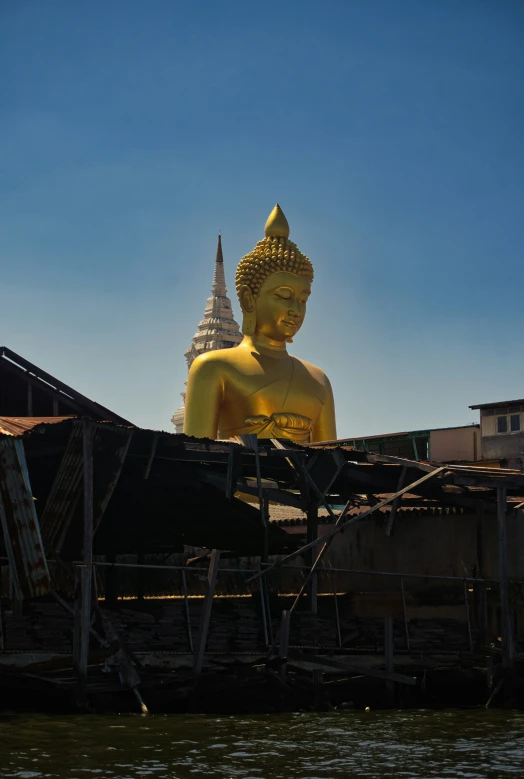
(217, 330)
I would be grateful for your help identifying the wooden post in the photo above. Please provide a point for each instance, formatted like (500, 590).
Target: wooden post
(205, 617)
(84, 579)
(318, 685)
(388, 654)
(29, 399)
(264, 510)
(111, 581)
(186, 611)
(1, 616)
(140, 578)
(490, 672)
(480, 595)
(337, 615)
(312, 535)
(404, 611)
(505, 621)
(284, 642)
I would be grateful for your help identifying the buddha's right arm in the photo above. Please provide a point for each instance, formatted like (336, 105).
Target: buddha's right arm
(203, 398)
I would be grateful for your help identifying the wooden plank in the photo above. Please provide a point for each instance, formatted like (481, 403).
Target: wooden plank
(206, 612)
(355, 669)
(389, 459)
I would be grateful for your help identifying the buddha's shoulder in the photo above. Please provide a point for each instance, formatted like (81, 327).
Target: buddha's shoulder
(216, 361)
(316, 373)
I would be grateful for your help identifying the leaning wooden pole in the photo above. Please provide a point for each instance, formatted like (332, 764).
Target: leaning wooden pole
(205, 617)
(312, 535)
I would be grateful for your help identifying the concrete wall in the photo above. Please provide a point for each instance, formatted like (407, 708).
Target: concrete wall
(447, 545)
(461, 443)
(502, 445)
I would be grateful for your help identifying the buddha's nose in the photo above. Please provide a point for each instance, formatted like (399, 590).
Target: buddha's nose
(294, 313)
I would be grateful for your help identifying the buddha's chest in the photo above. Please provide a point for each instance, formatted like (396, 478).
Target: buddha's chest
(267, 386)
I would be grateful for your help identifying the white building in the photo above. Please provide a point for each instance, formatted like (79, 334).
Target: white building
(217, 330)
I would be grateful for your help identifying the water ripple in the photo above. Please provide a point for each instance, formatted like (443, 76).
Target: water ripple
(472, 744)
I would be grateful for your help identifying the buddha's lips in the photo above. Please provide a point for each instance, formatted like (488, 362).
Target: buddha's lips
(290, 324)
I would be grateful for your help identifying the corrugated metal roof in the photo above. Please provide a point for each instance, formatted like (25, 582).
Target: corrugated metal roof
(17, 426)
(19, 521)
(287, 516)
(499, 404)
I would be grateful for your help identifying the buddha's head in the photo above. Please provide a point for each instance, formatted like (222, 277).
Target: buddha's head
(274, 283)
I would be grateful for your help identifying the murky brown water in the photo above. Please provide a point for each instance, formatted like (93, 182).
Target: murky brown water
(447, 744)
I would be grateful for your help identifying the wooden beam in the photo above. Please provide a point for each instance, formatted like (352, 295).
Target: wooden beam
(353, 668)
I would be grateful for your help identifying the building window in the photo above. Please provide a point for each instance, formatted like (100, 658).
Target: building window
(514, 423)
(502, 424)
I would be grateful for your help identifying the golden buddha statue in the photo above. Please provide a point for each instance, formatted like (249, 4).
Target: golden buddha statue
(257, 387)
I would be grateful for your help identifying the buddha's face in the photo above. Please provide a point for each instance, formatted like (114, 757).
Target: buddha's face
(281, 305)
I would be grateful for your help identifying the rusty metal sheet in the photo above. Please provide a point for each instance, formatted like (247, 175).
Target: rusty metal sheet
(17, 426)
(65, 492)
(19, 521)
(110, 448)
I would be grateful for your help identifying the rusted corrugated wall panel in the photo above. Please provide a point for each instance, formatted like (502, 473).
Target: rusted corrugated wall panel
(20, 524)
(65, 492)
(110, 449)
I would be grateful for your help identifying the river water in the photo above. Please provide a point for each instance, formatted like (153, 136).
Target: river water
(470, 744)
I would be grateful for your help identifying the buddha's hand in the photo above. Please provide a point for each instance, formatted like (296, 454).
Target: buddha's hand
(281, 425)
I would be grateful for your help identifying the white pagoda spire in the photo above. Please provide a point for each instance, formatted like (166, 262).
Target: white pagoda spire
(217, 330)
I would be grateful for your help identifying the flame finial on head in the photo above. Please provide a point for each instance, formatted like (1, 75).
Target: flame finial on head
(277, 225)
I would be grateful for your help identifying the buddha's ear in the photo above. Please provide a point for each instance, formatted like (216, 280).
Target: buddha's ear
(245, 296)
(247, 303)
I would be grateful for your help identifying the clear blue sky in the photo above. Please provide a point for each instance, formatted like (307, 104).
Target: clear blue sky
(390, 131)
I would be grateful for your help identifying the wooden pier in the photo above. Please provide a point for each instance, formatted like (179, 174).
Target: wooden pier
(134, 577)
